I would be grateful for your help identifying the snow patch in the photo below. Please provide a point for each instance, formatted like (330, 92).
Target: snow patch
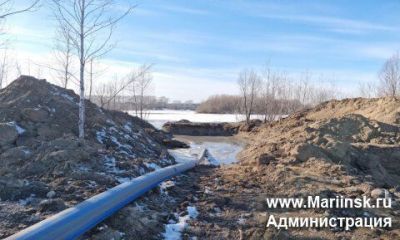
(100, 135)
(123, 179)
(109, 121)
(111, 165)
(173, 230)
(207, 190)
(241, 220)
(26, 151)
(164, 186)
(152, 165)
(19, 129)
(64, 95)
(192, 212)
(27, 200)
(128, 127)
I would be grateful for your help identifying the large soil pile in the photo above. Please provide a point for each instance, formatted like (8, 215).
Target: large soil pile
(45, 168)
(347, 148)
(362, 135)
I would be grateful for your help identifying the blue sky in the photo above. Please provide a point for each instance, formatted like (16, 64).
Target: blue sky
(199, 46)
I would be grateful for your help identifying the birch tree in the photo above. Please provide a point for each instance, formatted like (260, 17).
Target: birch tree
(91, 24)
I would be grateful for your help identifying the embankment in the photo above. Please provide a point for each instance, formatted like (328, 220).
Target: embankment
(185, 127)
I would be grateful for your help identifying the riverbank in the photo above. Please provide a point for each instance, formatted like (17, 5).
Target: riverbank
(185, 127)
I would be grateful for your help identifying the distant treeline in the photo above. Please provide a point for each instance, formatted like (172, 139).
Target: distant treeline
(231, 104)
(127, 103)
(220, 104)
(271, 94)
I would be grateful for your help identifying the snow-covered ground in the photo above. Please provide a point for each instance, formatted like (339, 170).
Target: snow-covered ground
(174, 229)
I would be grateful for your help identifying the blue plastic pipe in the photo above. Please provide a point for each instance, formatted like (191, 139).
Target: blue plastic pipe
(75, 221)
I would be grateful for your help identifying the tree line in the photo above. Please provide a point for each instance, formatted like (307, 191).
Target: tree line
(271, 94)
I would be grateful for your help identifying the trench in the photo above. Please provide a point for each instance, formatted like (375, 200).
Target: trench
(220, 151)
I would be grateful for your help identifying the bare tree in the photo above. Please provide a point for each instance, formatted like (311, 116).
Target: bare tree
(249, 84)
(108, 93)
(324, 92)
(93, 72)
(220, 104)
(18, 67)
(367, 89)
(63, 55)
(7, 8)
(141, 82)
(3, 68)
(91, 25)
(304, 89)
(268, 94)
(389, 76)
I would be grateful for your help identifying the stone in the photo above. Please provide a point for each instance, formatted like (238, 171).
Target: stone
(265, 159)
(35, 114)
(378, 193)
(52, 205)
(172, 144)
(11, 159)
(51, 194)
(49, 132)
(8, 134)
(15, 154)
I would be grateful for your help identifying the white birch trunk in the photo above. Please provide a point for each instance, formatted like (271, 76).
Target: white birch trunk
(81, 122)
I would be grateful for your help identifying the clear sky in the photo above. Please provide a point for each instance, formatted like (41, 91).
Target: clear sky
(199, 46)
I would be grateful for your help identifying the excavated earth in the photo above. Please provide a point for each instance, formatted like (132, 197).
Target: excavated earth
(45, 168)
(344, 148)
(348, 148)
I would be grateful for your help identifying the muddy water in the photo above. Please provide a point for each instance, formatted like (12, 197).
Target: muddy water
(222, 150)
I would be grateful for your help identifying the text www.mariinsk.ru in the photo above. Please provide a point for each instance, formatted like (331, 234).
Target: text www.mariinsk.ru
(325, 203)
(334, 222)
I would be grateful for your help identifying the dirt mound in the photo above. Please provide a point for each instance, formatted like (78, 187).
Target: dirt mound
(360, 134)
(385, 110)
(348, 147)
(44, 167)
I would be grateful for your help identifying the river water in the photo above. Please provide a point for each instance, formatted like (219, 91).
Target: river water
(223, 150)
(159, 117)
